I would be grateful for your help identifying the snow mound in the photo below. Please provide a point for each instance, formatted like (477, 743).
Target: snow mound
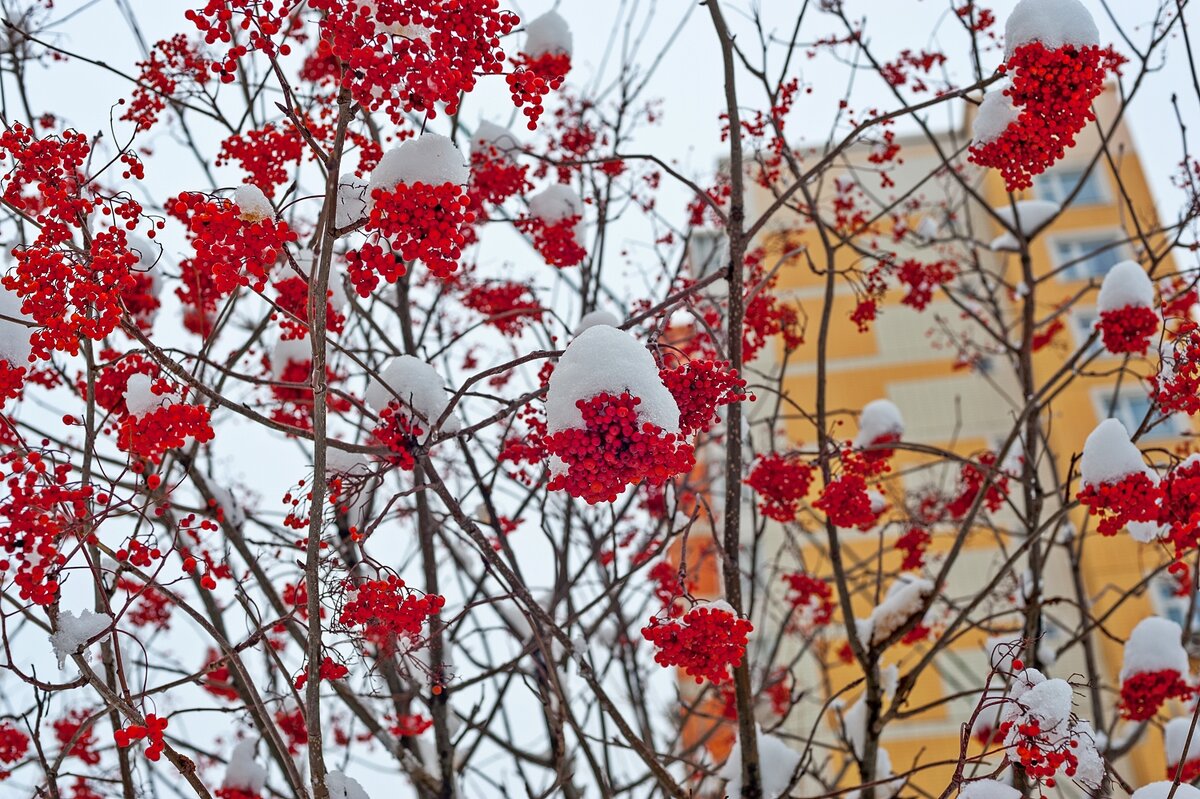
(995, 114)
(1154, 645)
(988, 789)
(139, 399)
(1031, 215)
(1175, 735)
(351, 200)
(904, 598)
(1146, 532)
(490, 135)
(288, 351)
(1126, 284)
(556, 203)
(1054, 23)
(1162, 789)
(253, 204)
(1049, 702)
(1109, 455)
(417, 385)
(879, 418)
(600, 360)
(777, 760)
(596, 318)
(549, 33)
(342, 787)
(14, 336)
(243, 772)
(76, 630)
(430, 158)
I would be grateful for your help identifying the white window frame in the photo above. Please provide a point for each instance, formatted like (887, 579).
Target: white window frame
(1082, 328)
(1175, 426)
(1121, 251)
(1096, 177)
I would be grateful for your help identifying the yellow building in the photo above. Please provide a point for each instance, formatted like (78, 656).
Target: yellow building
(962, 397)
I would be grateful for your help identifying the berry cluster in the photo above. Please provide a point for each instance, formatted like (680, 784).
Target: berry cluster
(400, 433)
(70, 729)
(152, 731)
(1053, 91)
(151, 434)
(495, 177)
(700, 387)
(423, 222)
(369, 263)
(971, 479)
(1133, 498)
(218, 679)
(261, 19)
(558, 241)
(534, 77)
(705, 642)
(1176, 387)
(781, 482)
(265, 154)
(291, 295)
(913, 544)
(613, 451)
(507, 306)
(403, 56)
(387, 610)
(232, 249)
(13, 745)
(329, 670)
(811, 596)
(1128, 329)
(1143, 693)
(172, 62)
(846, 502)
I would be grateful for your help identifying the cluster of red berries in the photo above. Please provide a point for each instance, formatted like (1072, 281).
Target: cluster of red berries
(1143, 693)
(1053, 91)
(1189, 773)
(291, 295)
(400, 433)
(141, 298)
(371, 262)
(1180, 508)
(846, 502)
(410, 725)
(507, 306)
(495, 177)
(913, 63)
(13, 745)
(613, 450)
(113, 379)
(291, 723)
(218, 679)
(152, 608)
(386, 610)
(172, 62)
(1041, 758)
(1128, 329)
(138, 554)
(68, 731)
(12, 381)
(329, 670)
(913, 544)
(921, 280)
(151, 731)
(706, 642)
(971, 478)
(261, 19)
(781, 482)
(700, 387)
(1133, 498)
(556, 241)
(266, 154)
(534, 77)
(39, 510)
(405, 56)
(812, 595)
(1176, 387)
(164, 428)
(668, 588)
(232, 248)
(46, 179)
(423, 222)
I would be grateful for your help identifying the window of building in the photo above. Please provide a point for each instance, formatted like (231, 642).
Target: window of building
(1084, 322)
(707, 252)
(1089, 254)
(1131, 406)
(1057, 185)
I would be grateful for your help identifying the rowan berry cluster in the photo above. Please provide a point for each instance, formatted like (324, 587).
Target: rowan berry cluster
(781, 482)
(558, 241)
(151, 731)
(811, 596)
(534, 77)
(370, 262)
(291, 295)
(260, 19)
(13, 745)
(972, 477)
(706, 642)
(613, 450)
(1053, 90)
(405, 56)
(507, 306)
(423, 222)
(1143, 693)
(173, 62)
(329, 670)
(70, 730)
(266, 154)
(1133, 498)
(1129, 329)
(151, 434)
(386, 610)
(401, 434)
(700, 387)
(495, 177)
